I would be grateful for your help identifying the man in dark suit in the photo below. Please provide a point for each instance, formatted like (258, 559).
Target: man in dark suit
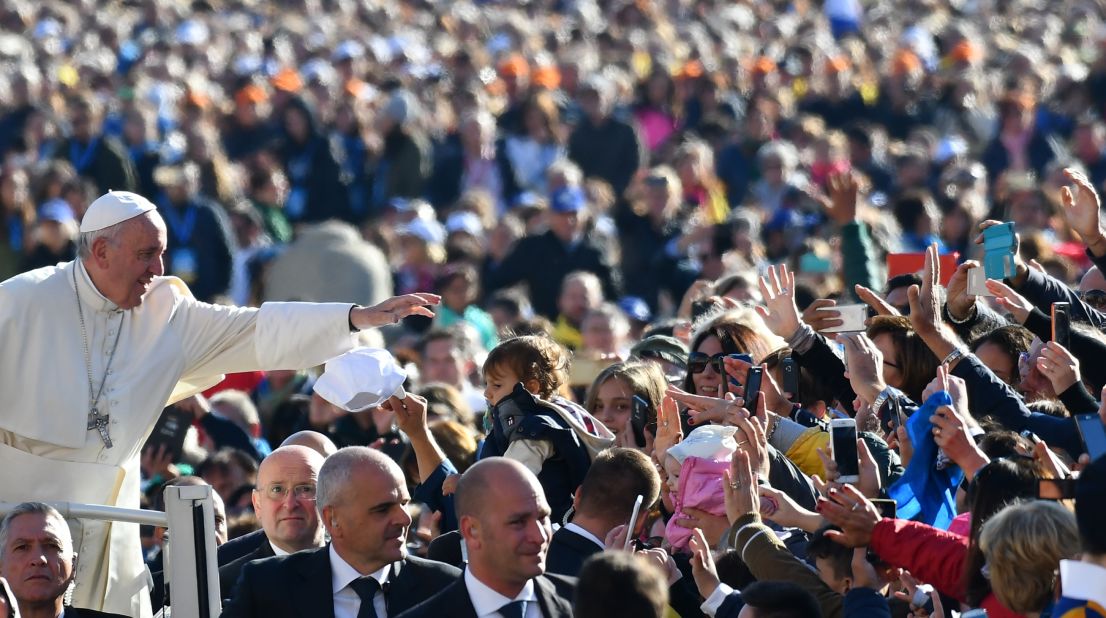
(603, 501)
(365, 571)
(504, 519)
(36, 560)
(248, 543)
(284, 502)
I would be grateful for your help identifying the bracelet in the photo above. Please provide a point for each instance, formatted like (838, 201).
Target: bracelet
(954, 356)
(952, 318)
(881, 399)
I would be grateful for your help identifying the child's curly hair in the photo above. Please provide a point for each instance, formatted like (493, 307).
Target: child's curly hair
(532, 357)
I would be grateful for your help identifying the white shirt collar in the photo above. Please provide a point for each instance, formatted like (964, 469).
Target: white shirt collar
(276, 550)
(342, 573)
(1083, 581)
(572, 526)
(90, 294)
(487, 602)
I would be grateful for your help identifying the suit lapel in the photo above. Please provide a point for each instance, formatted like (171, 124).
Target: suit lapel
(582, 545)
(458, 596)
(317, 598)
(552, 605)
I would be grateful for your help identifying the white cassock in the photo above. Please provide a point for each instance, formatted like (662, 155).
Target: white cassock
(171, 347)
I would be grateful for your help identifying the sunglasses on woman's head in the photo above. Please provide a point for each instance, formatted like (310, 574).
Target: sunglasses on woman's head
(697, 362)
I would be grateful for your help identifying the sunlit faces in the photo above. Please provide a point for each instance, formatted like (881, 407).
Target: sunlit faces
(500, 381)
(130, 264)
(285, 498)
(614, 404)
(708, 381)
(38, 558)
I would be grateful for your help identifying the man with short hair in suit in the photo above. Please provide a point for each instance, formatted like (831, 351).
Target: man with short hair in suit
(284, 501)
(36, 559)
(365, 571)
(603, 501)
(504, 520)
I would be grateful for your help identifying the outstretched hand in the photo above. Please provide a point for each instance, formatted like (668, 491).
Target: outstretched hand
(393, 310)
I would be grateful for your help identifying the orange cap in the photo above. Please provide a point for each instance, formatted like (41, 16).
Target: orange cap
(287, 80)
(837, 64)
(964, 51)
(514, 66)
(547, 76)
(690, 70)
(764, 65)
(905, 62)
(251, 93)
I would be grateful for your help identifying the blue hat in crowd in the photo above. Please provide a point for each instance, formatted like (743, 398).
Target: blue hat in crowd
(568, 199)
(635, 308)
(58, 210)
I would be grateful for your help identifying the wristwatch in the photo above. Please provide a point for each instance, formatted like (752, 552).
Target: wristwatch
(881, 399)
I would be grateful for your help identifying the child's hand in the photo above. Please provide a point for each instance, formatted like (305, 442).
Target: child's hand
(449, 485)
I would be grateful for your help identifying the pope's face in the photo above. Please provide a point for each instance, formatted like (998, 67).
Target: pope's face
(132, 261)
(37, 558)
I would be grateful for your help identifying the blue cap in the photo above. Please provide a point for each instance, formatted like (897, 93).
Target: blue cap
(635, 308)
(58, 210)
(568, 199)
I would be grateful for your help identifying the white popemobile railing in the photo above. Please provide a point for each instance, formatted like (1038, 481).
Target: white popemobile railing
(191, 570)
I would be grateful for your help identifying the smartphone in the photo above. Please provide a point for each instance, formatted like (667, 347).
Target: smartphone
(893, 416)
(922, 600)
(639, 414)
(1032, 437)
(999, 244)
(852, 318)
(1061, 324)
(844, 354)
(887, 508)
(977, 282)
(843, 444)
(974, 613)
(752, 387)
(1093, 433)
(1055, 489)
(790, 371)
(633, 522)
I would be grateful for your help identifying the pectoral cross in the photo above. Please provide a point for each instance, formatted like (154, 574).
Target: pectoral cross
(100, 423)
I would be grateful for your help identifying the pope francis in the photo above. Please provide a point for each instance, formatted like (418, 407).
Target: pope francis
(92, 351)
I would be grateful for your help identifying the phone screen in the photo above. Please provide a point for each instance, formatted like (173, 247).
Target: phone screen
(638, 417)
(1061, 324)
(1056, 489)
(752, 388)
(791, 378)
(844, 449)
(1094, 434)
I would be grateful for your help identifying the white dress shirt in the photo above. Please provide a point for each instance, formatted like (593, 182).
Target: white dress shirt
(346, 601)
(276, 550)
(487, 602)
(587, 535)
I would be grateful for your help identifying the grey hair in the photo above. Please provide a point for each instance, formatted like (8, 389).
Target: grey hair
(111, 233)
(32, 508)
(335, 474)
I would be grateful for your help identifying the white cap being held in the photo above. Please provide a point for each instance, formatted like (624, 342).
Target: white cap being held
(112, 208)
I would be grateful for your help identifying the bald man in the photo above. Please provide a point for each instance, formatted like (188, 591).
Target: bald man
(365, 571)
(284, 501)
(504, 519)
(235, 549)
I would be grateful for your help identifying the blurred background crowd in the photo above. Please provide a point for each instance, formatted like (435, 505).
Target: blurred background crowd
(617, 175)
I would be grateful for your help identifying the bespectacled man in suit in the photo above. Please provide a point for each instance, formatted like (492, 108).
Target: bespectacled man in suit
(365, 571)
(504, 520)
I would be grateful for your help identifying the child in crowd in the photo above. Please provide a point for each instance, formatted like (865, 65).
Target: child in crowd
(528, 420)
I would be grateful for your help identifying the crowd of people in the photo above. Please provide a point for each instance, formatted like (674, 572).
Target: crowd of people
(630, 212)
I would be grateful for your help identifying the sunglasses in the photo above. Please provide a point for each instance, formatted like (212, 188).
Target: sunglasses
(697, 362)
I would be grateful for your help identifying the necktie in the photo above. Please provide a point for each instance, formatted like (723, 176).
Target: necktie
(514, 609)
(366, 588)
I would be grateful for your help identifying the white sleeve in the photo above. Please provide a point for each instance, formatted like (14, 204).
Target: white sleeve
(711, 606)
(530, 453)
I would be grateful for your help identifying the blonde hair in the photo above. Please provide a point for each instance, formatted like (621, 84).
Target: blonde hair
(1023, 545)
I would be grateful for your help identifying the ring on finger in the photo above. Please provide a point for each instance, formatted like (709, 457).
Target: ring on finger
(856, 506)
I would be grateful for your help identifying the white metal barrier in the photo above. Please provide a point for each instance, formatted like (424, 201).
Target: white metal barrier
(191, 568)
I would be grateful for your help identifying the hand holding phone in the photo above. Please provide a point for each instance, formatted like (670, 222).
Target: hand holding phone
(791, 378)
(1061, 324)
(632, 528)
(843, 445)
(1000, 245)
(852, 318)
(1093, 432)
(752, 387)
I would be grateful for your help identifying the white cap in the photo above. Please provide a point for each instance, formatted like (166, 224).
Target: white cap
(712, 442)
(360, 379)
(112, 208)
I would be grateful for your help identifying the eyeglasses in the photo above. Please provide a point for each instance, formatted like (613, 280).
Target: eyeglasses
(697, 362)
(279, 493)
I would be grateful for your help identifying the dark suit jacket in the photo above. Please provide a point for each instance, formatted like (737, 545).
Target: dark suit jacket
(228, 573)
(76, 612)
(567, 553)
(299, 586)
(236, 548)
(555, 593)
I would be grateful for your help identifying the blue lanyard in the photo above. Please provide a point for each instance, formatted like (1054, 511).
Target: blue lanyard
(81, 160)
(181, 226)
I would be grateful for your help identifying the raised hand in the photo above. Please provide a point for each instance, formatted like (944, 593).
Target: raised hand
(780, 313)
(925, 301)
(821, 320)
(843, 190)
(741, 492)
(702, 409)
(875, 301)
(865, 363)
(1020, 267)
(1059, 366)
(1018, 305)
(669, 430)
(1082, 209)
(702, 565)
(847, 509)
(958, 301)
